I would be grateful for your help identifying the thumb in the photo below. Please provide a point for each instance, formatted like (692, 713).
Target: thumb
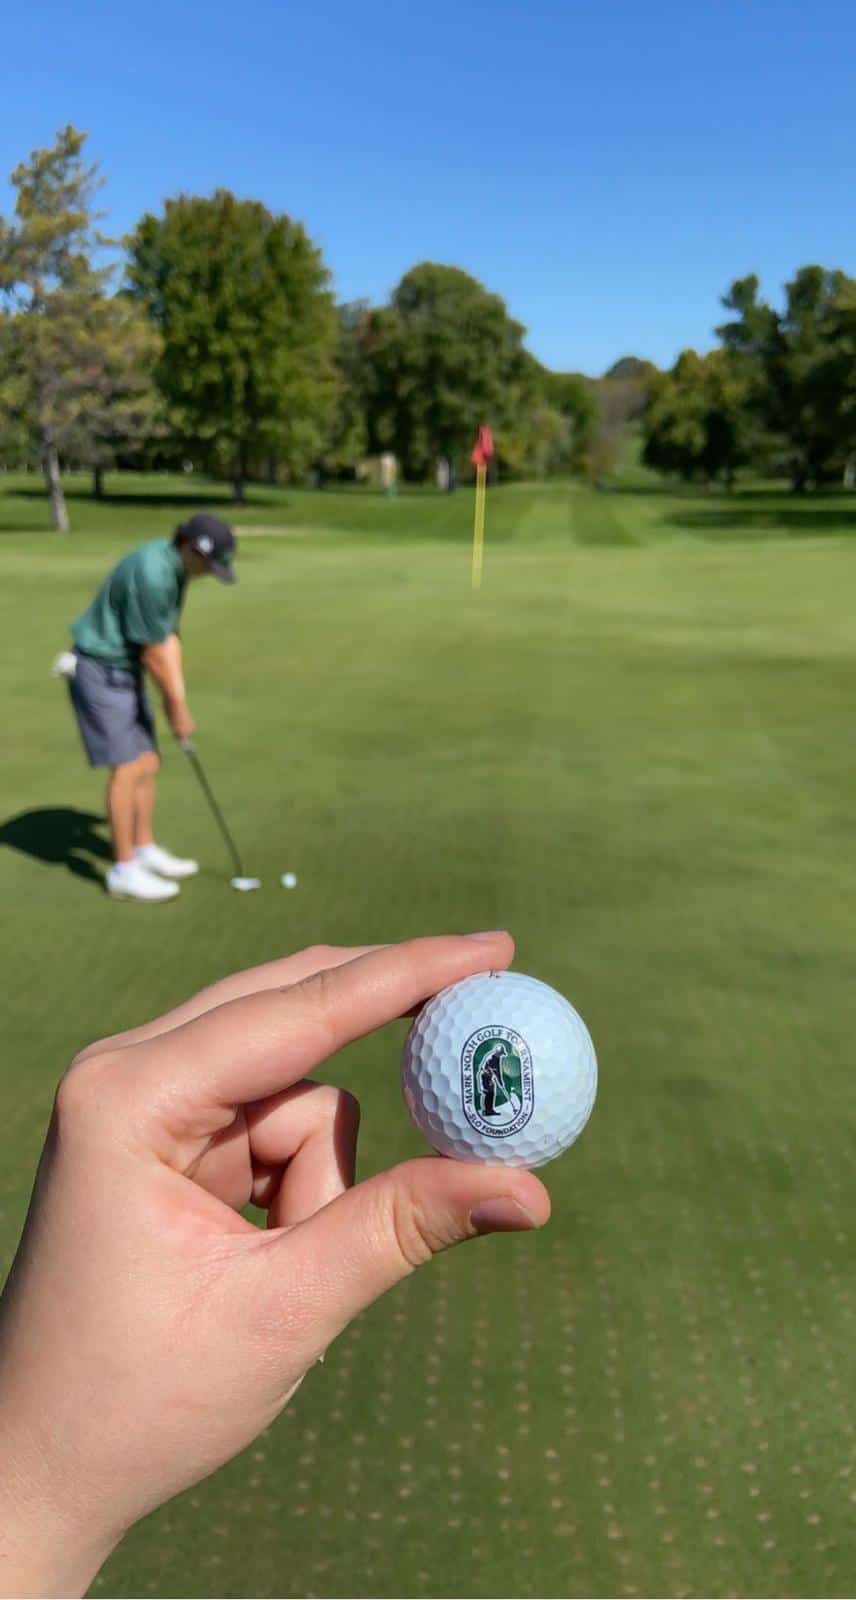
(369, 1238)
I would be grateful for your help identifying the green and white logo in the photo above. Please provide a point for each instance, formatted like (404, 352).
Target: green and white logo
(497, 1089)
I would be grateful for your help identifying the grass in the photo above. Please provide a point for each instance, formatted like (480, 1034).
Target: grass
(634, 748)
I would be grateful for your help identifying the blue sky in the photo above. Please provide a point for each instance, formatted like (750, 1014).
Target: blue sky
(608, 168)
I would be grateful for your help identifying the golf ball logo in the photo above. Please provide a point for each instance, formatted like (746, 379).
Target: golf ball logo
(497, 1087)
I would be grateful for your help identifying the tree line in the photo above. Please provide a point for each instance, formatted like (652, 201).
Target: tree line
(212, 335)
(778, 396)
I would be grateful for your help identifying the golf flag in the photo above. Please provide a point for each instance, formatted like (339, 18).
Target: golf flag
(483, 448)
(482, 452)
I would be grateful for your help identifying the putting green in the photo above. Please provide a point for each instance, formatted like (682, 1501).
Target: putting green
(633, 748)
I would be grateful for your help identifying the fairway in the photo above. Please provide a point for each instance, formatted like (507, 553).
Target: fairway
(633, 748)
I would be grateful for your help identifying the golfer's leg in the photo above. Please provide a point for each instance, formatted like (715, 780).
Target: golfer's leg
(121, 807)
(145, 797)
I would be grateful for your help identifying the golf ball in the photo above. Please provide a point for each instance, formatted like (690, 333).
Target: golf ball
(288, 880)
(499, 1068)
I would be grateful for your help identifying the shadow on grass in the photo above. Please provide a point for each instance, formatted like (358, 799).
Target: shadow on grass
(150, 497)
(59, 836)
(644, 490)
(751, 518)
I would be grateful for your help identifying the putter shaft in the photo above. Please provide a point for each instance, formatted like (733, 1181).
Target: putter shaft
(190, 751)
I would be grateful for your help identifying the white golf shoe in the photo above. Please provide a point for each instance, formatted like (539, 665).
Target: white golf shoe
(164, 863)
(128, 880)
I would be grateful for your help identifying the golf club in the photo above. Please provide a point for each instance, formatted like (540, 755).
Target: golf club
(240, 880)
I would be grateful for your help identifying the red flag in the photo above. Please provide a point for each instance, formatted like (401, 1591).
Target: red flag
(483, 448)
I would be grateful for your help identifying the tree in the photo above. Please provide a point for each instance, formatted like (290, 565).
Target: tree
(49, 290)
(794, 377)
(812, 377)
(693, 424)
(444, 357)
(575, 399)
(621, 396)
(117, 406)
(347, 436)
(241, 301)
(842, 375)
(16, 437)
(631, 369)
(538, 440)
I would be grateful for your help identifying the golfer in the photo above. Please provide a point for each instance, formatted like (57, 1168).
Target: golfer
(129, 630)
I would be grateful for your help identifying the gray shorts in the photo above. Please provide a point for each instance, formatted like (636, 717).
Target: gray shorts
(113, 712)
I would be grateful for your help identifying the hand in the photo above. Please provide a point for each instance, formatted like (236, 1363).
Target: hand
(148, 1331)
(180, 721)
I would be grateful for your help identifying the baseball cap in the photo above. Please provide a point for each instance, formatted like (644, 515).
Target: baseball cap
(213, 540)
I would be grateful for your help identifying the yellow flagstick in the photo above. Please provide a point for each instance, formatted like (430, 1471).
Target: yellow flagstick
(478, 525)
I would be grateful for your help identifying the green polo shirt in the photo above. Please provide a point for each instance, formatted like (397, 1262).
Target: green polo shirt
(138, 604)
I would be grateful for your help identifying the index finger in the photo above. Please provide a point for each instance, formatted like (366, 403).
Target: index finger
(259, 1044)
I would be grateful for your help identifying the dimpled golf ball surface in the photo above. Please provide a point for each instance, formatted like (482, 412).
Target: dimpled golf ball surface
(499, 1068)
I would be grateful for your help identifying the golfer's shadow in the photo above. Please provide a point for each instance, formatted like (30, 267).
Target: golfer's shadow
(61, 836)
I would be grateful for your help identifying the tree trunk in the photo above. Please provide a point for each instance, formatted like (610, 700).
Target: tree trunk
(50, 466)
(239, 478)
(98, 482)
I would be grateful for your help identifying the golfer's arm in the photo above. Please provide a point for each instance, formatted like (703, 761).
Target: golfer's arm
(163, 663)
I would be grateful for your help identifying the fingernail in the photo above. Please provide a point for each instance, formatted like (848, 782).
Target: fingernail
(493, 933)
(502, 1215)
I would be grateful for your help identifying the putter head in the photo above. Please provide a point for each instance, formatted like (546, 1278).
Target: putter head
(245, 884)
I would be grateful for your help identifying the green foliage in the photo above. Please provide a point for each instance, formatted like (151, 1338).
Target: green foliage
(574, 398)
(841, 373)
(17, 444)
(226, 346)
(616, 407)
(796, 372)
(49, 248)
(117, 405)
(346, 442)
(53, 300)
(444, 356)
(779, 396)
(620, 398)
(242, 303)
(693, 423)
(409, 383)
(631, 369)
